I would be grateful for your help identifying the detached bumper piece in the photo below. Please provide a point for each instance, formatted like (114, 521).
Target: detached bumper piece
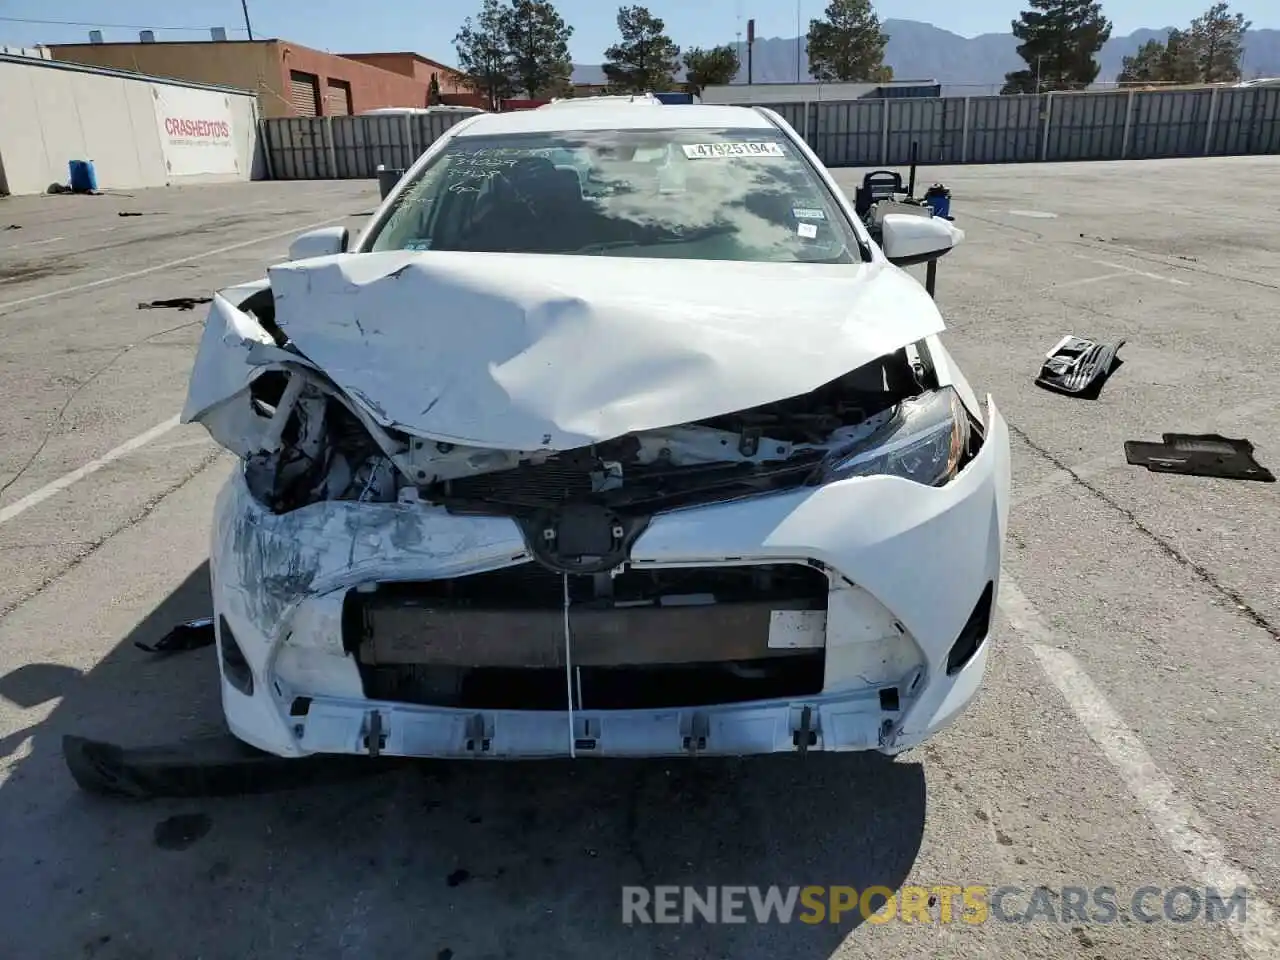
(1078, 367)
(1200, 455)
(192, 635)
(215, 766)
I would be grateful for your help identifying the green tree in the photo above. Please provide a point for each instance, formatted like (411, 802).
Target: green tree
(1172, 60)
(433, 91)
(1060, 39)
(1178, 62)
(1143, 66)
(561, 88)
(484, 56)
(537, 39)
(848, 43)
(705, 68)
(1217, 37)
(645, 58)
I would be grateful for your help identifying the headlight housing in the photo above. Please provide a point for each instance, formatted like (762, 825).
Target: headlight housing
(926, 440)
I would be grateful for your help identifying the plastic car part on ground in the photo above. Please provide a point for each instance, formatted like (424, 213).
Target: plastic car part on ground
(176, 303)
(1201, 455)
(1079, 366)
(192, 635)
(213, 766)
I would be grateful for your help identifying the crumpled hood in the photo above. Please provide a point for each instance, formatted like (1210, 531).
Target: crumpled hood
(524, 352)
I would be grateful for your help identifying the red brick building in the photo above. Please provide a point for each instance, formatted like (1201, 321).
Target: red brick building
(452, 88)
(291, 80)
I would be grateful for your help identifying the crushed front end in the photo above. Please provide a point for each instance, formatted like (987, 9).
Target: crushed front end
(813, 574)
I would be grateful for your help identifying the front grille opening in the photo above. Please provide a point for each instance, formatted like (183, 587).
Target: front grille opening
(651, 686)
(531, 586)
(651, 638)
(889, 699)
(972, 634)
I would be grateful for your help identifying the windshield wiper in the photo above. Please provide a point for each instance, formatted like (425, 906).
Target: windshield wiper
(693, 236)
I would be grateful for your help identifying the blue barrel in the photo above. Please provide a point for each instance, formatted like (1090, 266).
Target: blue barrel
(939, 198)
(83, 177)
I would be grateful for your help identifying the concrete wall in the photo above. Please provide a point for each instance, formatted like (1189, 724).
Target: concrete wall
(260, 65)
(51, 114)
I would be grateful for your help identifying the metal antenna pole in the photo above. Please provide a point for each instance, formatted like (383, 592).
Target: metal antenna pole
(568, 669)
(244, 5)
(799, 34)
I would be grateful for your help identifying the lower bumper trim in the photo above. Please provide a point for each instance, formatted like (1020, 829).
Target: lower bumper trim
(836, 723)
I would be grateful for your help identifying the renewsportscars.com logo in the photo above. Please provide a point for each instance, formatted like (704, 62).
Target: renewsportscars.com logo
(942, 903)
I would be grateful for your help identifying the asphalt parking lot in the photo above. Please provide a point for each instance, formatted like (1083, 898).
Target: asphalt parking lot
(1128, 735)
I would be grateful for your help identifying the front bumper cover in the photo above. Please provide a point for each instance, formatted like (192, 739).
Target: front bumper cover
(922, 555)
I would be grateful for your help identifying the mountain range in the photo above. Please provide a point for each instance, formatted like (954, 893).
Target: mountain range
(963, 65)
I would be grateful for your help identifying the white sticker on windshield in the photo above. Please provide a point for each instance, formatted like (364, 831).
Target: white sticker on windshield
(708, 151)
(807, 230)
(807, 213)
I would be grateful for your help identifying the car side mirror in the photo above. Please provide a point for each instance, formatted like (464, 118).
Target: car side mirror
(907, 239)
(319, 243)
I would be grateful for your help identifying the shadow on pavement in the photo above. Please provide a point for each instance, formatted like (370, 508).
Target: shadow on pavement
(430, 859)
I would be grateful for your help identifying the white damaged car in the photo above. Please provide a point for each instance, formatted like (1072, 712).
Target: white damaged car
(613, 434)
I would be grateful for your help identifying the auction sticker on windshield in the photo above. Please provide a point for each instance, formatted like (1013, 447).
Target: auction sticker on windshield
(707, 151)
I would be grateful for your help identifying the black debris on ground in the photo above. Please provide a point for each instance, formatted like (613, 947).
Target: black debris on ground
(1199, 455)
(458, 877)
(192, 635)
(1079, 367)
(216, 766)
(129, 213)
(181, 831)
(176, 303)
(14, 226)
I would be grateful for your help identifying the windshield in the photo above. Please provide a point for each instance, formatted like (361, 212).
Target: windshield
(690, 194)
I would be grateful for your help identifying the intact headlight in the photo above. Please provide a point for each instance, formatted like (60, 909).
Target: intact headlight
(925, 441)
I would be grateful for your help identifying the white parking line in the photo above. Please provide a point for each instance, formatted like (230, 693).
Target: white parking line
(1087, 280)
(1174, 817)
(39, 496)
(30, 243)
(1139, 273)
(165, 266)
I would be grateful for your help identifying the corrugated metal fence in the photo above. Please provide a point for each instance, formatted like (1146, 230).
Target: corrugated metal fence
(349, 148)
(1056, 126)
(865, 133)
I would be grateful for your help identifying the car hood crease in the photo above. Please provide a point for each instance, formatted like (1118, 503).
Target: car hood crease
(524, 352)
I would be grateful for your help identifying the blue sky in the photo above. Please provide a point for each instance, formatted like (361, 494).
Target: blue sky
(428, 26)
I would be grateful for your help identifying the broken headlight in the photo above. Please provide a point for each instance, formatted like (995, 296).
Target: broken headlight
(926, 440)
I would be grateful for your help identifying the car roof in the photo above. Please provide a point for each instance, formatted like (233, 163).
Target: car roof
(623, 116)
(604, 100)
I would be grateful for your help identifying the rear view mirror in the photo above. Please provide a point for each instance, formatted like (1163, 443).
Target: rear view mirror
(319, 243)
(908, 239)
